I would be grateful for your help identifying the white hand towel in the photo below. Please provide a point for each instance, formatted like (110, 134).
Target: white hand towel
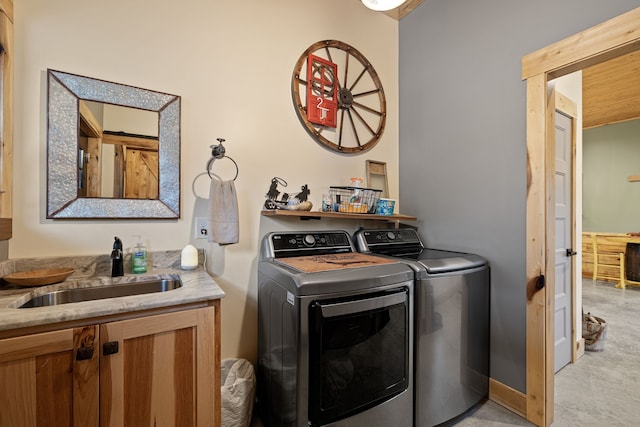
(223, 212)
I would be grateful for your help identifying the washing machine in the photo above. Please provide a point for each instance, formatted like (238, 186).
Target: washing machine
(451, 357)
(335, 333)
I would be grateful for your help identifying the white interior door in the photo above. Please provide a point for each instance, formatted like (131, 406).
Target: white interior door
(563, 251)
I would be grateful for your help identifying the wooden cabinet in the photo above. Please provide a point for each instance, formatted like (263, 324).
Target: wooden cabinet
(163, 373)
(41, 383)
(161, 370)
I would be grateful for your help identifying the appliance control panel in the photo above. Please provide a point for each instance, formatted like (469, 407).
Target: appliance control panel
(308, 243)
(402, 236)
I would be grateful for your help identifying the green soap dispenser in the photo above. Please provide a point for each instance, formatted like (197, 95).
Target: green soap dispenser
(139, 257)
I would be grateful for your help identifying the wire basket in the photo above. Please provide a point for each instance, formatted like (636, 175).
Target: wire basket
(354, 199)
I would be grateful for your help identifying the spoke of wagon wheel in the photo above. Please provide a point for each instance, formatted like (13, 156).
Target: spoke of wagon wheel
(328, 53)
(346, 68)
(341, 127)
(366, 68)
(369, 92)
(353, 127)
(369, 109)
(363, 121)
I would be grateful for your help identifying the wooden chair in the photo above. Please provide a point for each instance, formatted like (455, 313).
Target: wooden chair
(604, 255)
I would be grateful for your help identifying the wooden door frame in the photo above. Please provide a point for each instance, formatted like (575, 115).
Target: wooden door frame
(6, 118)
(608, 40)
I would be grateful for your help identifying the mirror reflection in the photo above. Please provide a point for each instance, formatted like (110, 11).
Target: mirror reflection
(117, 152)
(113, 150)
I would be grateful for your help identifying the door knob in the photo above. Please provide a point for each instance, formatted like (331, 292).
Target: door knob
(571, 252)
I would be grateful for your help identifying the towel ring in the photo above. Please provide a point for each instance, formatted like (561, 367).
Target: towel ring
(213, 159)
(218, 152)
(193, 185)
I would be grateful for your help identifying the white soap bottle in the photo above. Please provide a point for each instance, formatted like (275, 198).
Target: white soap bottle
(139, 257)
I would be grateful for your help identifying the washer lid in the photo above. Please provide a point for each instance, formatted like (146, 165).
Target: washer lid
(327, 262)
(438, 261)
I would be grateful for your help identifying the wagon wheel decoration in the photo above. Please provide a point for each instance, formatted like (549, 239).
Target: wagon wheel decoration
(341, 85)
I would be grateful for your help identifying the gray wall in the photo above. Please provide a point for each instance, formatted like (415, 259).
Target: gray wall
(611, 153)
(463, 138)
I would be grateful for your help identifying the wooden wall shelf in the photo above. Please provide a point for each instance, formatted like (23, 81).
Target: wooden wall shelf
(337, 215)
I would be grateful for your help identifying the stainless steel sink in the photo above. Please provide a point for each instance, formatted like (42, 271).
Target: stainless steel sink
(66, 296)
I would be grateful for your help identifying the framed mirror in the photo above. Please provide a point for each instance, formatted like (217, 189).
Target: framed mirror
(80, 135)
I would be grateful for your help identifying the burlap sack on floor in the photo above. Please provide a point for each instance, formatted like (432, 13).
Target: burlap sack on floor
(594, 332)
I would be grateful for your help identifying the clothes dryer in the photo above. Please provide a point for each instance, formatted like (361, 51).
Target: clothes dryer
(451, 357)
(335, 334)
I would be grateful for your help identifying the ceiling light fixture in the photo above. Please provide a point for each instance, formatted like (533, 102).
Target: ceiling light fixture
(381, 5)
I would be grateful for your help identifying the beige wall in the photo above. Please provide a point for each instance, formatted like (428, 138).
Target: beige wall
(231, 62)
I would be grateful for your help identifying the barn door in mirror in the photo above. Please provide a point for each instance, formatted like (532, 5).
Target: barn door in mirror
(94, 171)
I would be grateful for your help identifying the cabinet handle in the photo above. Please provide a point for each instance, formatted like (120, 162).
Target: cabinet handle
(109, 348)
(84, 353)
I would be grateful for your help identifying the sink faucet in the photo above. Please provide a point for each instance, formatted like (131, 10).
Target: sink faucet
(117, 258)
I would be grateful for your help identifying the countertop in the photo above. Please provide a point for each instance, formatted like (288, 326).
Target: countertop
(197, 286)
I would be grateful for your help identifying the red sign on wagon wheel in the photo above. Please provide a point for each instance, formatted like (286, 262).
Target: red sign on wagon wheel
(322, 91)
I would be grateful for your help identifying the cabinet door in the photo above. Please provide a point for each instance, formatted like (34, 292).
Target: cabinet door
(50, 379)
(162, 373)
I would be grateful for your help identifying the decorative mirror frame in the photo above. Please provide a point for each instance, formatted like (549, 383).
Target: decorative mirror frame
(64, 94)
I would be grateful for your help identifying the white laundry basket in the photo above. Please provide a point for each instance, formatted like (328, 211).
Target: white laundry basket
(238, 392)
